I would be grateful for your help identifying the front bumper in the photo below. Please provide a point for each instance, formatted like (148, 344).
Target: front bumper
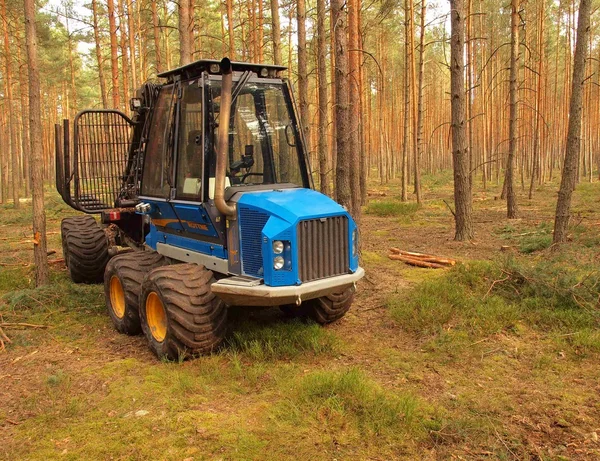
(263, 295)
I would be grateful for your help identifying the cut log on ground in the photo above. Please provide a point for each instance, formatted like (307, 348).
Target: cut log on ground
(423, 257)
(416, 262)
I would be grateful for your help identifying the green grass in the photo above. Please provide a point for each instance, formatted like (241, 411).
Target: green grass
(388, 208)
(481, 299)
(281, 340)
(355, 408)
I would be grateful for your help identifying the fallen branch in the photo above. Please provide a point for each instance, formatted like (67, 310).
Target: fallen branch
(24, 325)
(56, 261)
(3, 340)
(416, 262)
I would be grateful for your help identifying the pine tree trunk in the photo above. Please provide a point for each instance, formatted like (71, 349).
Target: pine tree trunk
(569, 174)
(114, 58)
(342, 183)
(535, 170)
(302, 71)
(39, 216)
(276, 31)
(229, 6)
(511, 197)
(419, 146)
(14, 149)
(355, 117)
(123, 45)
(460, 155)
(185, 47)
(156, 31)
(131, 34)
(323, 118)
(103, 93)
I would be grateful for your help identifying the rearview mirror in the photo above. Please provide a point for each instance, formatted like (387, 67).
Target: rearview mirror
(289, 136)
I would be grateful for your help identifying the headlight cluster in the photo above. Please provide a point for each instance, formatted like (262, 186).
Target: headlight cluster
(283, 255)
(355, 243)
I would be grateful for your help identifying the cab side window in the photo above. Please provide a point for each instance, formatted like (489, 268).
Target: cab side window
(155, 178)
(191, 146)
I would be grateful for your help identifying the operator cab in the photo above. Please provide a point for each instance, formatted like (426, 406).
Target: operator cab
(265, 149)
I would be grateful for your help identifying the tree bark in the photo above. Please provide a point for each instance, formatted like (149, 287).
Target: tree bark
(419, 146)
(14, 149)
(322, 112)
(355, 118)
(229, 6)
(114, 58)
(35, 122)
(123, 45)
(103, 93)
(302, 71)
(343, 184)
(460, 155)
(131, 34)
(276, 32)
(511, 197)
(569, 174)
(185, 47)
(156, 31)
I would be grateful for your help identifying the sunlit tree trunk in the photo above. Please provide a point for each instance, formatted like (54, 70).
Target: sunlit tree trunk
(460, 155)
(569, 174)
(511, 196)
(229, 7)
(14, 149)
(323, 109)
(40, 256)
(114, 55)
(302, 70)
(342, 183)
(276, 32)
(184, 24)
(156, 34)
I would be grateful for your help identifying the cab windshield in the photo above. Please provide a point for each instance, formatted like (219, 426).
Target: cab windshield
(262, 138)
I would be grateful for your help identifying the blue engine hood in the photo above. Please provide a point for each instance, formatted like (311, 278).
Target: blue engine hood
(292, 205)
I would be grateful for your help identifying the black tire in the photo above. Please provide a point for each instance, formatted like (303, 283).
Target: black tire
(123, 286)
(85, 248)
(70, 224)
(193, 321)
(323, 310)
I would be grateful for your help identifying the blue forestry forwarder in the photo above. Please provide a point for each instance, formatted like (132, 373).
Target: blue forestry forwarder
(206, 201)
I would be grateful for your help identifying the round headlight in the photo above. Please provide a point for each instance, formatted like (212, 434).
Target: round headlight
(278, 262)
(277, 247)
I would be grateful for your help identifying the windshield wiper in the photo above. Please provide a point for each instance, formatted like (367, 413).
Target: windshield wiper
(240, 85)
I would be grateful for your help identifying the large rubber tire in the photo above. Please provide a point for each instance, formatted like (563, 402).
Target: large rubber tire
(85, 249)
(180, 315)
(123, 286)
(323, 310)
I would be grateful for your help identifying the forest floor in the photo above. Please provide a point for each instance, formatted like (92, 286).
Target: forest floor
(496, 358)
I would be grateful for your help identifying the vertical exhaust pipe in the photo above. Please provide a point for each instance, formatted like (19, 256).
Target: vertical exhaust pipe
(223, 139)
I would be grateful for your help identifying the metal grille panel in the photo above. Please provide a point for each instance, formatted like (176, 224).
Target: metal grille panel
(251, 226)
(323, 248)
(102, 141)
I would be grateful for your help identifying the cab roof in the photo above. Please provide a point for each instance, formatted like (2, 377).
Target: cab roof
(194, 69)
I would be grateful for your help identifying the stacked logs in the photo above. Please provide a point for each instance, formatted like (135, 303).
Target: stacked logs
(420, 259)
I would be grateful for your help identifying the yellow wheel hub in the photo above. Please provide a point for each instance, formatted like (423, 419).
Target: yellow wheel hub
(117, 297)
(156, 316)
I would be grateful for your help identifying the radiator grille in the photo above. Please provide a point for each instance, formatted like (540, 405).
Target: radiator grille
(251, 226)
(323, 248)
